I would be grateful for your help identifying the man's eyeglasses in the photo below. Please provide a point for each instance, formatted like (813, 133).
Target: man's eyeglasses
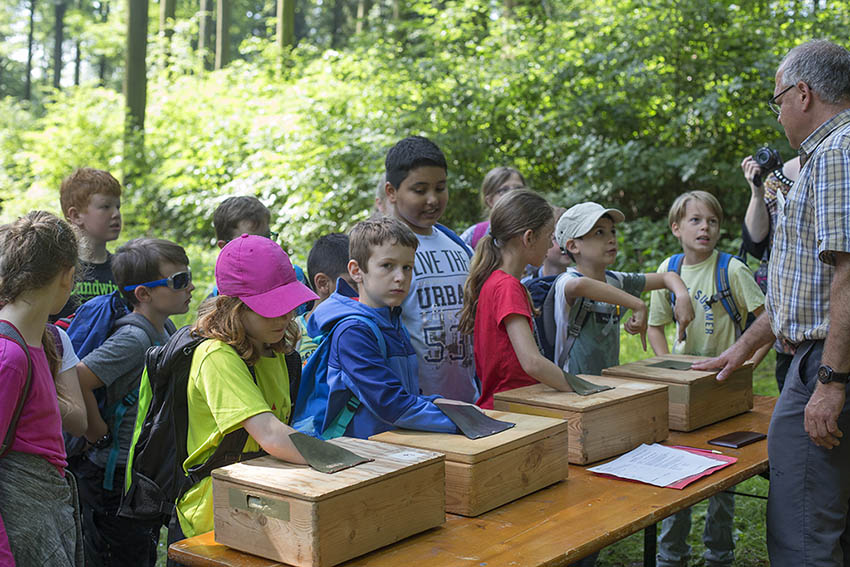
(180, 280)
(773, 102)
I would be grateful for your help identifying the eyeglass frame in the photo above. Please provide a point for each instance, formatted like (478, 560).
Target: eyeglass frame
(773, 105)
(164, 282)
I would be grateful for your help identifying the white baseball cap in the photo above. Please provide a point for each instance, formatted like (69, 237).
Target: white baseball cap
(579, 219)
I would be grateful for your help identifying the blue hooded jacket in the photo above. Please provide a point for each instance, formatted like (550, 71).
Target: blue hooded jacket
(388, 389)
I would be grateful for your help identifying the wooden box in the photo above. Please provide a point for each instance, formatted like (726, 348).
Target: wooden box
(296, 515)
(696, 397)
(600, 425)
(482, 474)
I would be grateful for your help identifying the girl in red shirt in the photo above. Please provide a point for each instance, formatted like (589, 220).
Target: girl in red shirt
(497, 307)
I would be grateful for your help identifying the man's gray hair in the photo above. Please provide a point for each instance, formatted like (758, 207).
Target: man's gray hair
(822, 65)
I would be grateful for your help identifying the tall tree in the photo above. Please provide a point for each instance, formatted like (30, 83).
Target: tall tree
(30, 42)
(205, 32)
(167, 10)
(222, 34)
(135, 85)
(362, 10)
(336, 25)
(103, 11)
(59, 9)
(285, 36)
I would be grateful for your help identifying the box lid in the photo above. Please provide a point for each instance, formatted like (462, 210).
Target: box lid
(544, 396)
(643, 370)
(461, 449)
(300, 481)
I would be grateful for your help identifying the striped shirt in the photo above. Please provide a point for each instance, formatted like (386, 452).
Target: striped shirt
(814, 223)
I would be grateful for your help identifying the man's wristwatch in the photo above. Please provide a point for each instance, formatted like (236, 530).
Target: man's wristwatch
(826, 375)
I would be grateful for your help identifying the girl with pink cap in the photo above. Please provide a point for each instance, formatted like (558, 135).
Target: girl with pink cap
(240, 377)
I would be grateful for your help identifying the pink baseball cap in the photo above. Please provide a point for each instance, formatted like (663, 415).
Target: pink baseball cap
(258, 271)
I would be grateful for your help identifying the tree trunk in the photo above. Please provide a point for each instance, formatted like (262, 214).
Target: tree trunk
(396, 10)
(336, 31)
(166, 17)
(285, 32)
(103, 10)
(135, 86)
(205, 32)
(58, 38)
(28, 78)
(77, 62)
(222, 34)
(361, 15)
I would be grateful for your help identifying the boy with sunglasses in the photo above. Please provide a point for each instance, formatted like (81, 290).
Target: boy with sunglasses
(154, 277)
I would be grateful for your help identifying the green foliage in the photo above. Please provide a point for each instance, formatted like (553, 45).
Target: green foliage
(627, 103)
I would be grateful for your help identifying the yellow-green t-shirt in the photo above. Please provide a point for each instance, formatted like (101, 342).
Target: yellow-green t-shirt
(221, 395)
(712, 330)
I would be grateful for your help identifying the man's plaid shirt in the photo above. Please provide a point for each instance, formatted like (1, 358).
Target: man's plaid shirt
(814, 222)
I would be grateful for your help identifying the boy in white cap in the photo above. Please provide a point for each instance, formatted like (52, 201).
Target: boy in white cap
(590, 300)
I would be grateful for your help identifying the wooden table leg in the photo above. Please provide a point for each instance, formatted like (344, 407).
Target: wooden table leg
(650, 533)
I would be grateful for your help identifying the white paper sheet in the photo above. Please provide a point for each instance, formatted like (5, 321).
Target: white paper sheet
(657, 465)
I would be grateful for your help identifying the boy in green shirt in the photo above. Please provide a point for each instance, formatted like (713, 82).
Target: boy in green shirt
(695, 220)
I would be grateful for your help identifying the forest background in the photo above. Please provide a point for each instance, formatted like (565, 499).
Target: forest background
(626, 102)
(297, 101)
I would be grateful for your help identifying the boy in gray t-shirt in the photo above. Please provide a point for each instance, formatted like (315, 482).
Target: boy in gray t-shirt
(154, 278)
(587, 234)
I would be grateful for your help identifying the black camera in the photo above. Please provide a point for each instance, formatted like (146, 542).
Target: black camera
(768, 160)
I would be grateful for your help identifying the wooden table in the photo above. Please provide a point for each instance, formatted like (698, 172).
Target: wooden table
(554, 526)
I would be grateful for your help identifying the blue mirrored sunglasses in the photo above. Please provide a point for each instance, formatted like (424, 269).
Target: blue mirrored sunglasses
(180, 280)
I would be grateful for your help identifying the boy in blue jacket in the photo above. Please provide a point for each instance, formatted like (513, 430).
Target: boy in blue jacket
(382, 255)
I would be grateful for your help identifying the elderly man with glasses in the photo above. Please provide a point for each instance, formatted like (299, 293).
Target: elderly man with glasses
(808, 306)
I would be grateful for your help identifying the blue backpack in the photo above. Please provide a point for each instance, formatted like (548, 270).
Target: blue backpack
(721, 282)
(94, 321)
(311, 405)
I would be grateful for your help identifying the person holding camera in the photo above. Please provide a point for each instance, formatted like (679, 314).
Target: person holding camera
(769, 180)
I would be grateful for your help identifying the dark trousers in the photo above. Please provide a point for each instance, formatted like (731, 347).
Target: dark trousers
(111, 540)
(808, 507)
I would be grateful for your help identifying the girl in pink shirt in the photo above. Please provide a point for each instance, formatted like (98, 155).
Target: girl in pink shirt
(38, 522)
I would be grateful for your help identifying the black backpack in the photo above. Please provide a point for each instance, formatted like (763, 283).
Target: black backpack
(155, 479)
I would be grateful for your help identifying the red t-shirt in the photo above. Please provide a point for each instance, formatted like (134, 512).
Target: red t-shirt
(495, 360)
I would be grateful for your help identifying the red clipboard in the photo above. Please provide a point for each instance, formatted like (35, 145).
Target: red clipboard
(724, 461)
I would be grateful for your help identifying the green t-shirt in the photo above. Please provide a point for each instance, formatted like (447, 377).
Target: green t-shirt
(221, 395)
(712, 330)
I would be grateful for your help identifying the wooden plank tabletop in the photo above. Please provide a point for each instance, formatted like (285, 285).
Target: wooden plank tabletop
(553, 526)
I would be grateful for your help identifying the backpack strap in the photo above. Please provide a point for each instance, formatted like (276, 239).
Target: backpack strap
(118, 410)
(674, 264)
(7, 330)
(457, 239)
(339, 424)
(578, 317)
(724, 291)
